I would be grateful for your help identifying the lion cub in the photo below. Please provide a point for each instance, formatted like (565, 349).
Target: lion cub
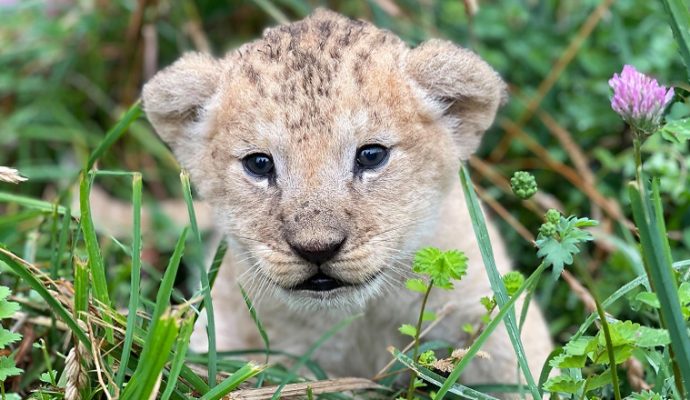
(329, 152)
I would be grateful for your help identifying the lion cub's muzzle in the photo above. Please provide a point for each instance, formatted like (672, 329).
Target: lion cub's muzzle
(318, 253)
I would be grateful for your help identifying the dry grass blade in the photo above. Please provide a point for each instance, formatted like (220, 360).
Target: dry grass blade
(300, 389)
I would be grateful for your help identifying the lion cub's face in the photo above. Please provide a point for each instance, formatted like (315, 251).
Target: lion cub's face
(325, 149)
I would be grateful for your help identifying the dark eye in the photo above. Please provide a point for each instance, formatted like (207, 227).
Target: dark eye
(371, 156)
(259, 165)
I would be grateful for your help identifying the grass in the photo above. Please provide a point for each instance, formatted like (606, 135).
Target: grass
(70, 118)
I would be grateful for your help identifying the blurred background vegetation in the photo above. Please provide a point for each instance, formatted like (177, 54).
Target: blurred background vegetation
(69, 68)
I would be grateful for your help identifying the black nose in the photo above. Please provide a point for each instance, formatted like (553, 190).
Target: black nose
(318, 253)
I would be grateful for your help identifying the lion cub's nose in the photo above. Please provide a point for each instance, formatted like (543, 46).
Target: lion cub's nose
(318, 252)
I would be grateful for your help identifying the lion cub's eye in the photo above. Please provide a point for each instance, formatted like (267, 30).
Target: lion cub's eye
(371, 156)
(259, 165)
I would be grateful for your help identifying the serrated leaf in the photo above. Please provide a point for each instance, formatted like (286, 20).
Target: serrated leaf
(627, 332)
(597, 381)
(441, 267)
(563, 384)
(424, 259)
(416, 285)
(7, 337)
(651, 337)
(620, 354)
(648, 298)
(8, 308)
(565, 360)
(645, 395)
(559, 252)
(580, 346)
(622, 333)
(407, 329)
(8, 368)
(4, 293)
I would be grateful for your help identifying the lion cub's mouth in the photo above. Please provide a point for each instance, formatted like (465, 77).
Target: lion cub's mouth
(320, 282)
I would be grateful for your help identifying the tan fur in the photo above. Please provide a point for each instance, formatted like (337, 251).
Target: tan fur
(309, 94)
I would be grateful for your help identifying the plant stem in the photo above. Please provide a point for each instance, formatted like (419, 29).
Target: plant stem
(637, 150)
(604, 327)
(415, 351)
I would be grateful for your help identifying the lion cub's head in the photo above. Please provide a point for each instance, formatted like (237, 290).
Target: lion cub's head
(325, 148)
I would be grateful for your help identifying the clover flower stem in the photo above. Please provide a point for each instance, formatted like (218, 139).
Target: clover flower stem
(415, 352)
(637, 150)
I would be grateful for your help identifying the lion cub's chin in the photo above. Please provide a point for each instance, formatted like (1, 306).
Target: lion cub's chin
(345, 299)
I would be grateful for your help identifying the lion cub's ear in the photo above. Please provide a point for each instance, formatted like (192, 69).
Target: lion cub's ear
(176, 98)
(462, 84)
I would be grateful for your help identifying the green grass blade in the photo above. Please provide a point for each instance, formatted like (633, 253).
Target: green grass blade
(179, 358)
(679, 20)
(135, 280)
(61, 245)
(28, 273)
(95, 261)
(81, 289)
(306, 356)
(217, 261)
(205, 285)
(189, 201)
(233, 381)
(154, 356)
(480, 231)
(257, 322)
(32, 203)
(481, 339)
(655, 252)
(437, 380)
(168, 281)
(115, 133)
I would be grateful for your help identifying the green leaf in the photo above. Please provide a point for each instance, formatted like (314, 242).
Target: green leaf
(645, 395)
(564, 384)
(8, 309)
(684, 293)
(620, 354)
(4, 293)
(648, 298)
(416, 285)
(441, 267)
(407, 329)
(8, 368)
(677, 131)
(558, 252)
(565, 360)
(627, 332)
(7, 337)
(48, 377)
(598, 381)
(579, 346)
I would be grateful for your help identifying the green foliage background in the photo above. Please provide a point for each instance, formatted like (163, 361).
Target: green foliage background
(68, 69)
